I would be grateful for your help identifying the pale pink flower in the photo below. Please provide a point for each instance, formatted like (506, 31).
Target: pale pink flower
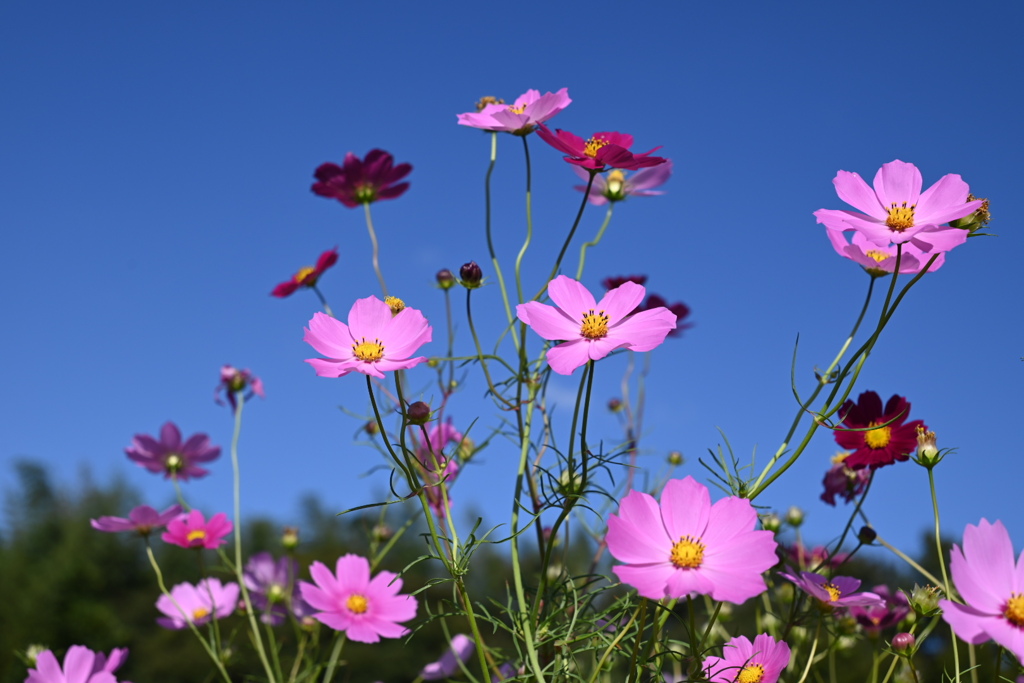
(81, 665)
(881, 260)
(761, 661)
(193, 531)
(521, 117)
(896, 211)
(172, 456)
(687, 546)
(143, 520)
(839, 591)
(615, 185)
(591, 330)
(992, 586)
(374, 341)
(349, 600)
(197, 604)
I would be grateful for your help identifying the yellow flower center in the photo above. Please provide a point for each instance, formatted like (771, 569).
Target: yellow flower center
(395, 304)
(878, 438)
(368, 351)
(839, 457)
(517, 110)
(196, 535)
(688, 553)
(173, 463)
(595, 325)
(752, 673)
(303, 273)
(592, 145)
(356, 603)
(879, 256)
(833, 591)
(1015, 609)
(200, 613)
(901, 217)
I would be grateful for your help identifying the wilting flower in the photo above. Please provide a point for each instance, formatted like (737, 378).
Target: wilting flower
(839, 591)
(460, 650)
(616, 186)
(374, 342)
(759, 662)
(519, 118)
(81, 665)
(170, 456)
(877, 446)
(362, 182)
(349, 600)
(592, 330)
(271, 586)
(892, 611)
(843, 481)
(234, 382)
(307, 276)
(881, 260)
(992, 586)
(193, 531)
(143, 520)
(896, 211)
(600, 150)
(197, 604)
(688, 546)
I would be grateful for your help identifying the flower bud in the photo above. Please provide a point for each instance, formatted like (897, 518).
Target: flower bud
(569, 484)
(371, 428)
(290, 538)
(901, 642)
(614, 405)
(867, 535)
(433, 362)
(418, 413)
(975, 221)
(771, 522)
(925, 600)
(395, 304)
(927, 449)
(471, 275)
(615, 185)
(675, 458)
(467, 448)
(32, 654)
(445, 279)
(794, 516)
(381, 532)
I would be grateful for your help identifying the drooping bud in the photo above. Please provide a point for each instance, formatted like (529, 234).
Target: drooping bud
(395, 304)
(418, 413)
(925, 600)
(794, 516)
(445, 279)
(290, 538)
(867, 535)
(471, 275)
(901, 642)
(675, 458)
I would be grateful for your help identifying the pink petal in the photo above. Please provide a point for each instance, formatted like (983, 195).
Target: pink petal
(572, 297)
(685, 582)
(405, 333)
(939, 239)
(730, 518)
(362, 631)
(650, 177)
(565, 358)
(329, 336)
(852, 189)
(637, 535)
(326, 367)
(621, 301)
(386, 365)
(685, 508)
(368, 318)
(968, 623)
(1006, 634)
(944, 201)
(548, 322)
(646, 329)
(78, 664)
(898, 182)
(339, 621)
(353, 572)
(650, 581)
(170, 436)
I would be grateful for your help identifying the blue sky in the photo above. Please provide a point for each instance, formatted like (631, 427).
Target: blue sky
(156, 162)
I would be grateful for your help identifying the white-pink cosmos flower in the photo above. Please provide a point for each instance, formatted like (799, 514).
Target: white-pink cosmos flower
(896, 211)
(520, 117)
(880, 260)
(374, 341)
(591, 330)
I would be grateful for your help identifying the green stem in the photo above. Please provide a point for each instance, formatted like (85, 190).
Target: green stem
(942, 565)
(480, 352)
(490, 240)
(376, 249)
(594, 242)
(323, 300)
(909, 560)
(332, 664)
(568, 239)
(529, 226)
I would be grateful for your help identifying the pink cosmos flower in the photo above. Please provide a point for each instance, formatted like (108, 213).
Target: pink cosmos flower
(81, 665)
(839, 591)
(375, 340)
(592, 330)
(875, 445)
(362, 182)
(271, 586)
(600, 150)
(843, 481)
(170, 456)
(143, 520)
(193, 531)
(197, 604)
(896, 211)
(234, 381)
(617, 186)
(349, 600)
(992, 586)
(762, 661)
(688, 546)
(519, 118)
(881, 260)
(308, 276)
(460, 649)
(874, 619)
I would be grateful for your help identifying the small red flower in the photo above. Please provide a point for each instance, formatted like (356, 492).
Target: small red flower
(362, 181)
(601, 150)
(308, 276)
(877, 446)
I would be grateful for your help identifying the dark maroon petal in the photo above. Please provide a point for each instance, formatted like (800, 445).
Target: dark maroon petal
(325, 190)
(325, 172)
(896, 407)
(618, 280)
(285, 289)
(326, 260)
(867, 409)
(393, 191)
(615, 138)
(562, 140)
(397, 173)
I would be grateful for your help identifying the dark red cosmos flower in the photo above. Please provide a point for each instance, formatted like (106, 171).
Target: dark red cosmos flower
(618, 280)
(307, 277)
(601, 150)
(878, 446)
(362, 182)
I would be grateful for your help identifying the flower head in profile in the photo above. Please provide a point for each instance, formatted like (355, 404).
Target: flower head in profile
(349, 600)
(519, 118)
(874, 618)
(373, 342)
(883, 438)
(81, 665)
(616, 185)
(843, 481)
(143, 520)
(234, 383)
(308, 275)
(362, 181)
(802, 557)
(896, 211)
(271, 585)
(193, 531)
(839, 591)
(591, 330)
(172, 456)
(880, 261)
(762, 661)
(459, 650)
(197, 604)
(687, 546)
(599, 151)
(991, 583)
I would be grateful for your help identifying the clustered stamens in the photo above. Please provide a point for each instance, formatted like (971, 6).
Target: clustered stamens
(901, 216)
(595, 325)
(688, 553)
(368, 351)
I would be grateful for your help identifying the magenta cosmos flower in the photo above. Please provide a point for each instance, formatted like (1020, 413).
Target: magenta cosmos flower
(521, 117)
(762, 661)
(881, 260)
(839, 591)
(877, 446)
(234, 382)
(598, 151)
(81, 665)
(172, 456)
(197, 604)
(143, 520)
(362, 182)
(843, 481)
(459, 650)
(992, 586)
(592, 330)
(687, 546)
(349, 600)
(193, 531)
(374, 341)
(308, 276)
(617, 185)
(874, 619)
(896, 211)
(271, 585)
